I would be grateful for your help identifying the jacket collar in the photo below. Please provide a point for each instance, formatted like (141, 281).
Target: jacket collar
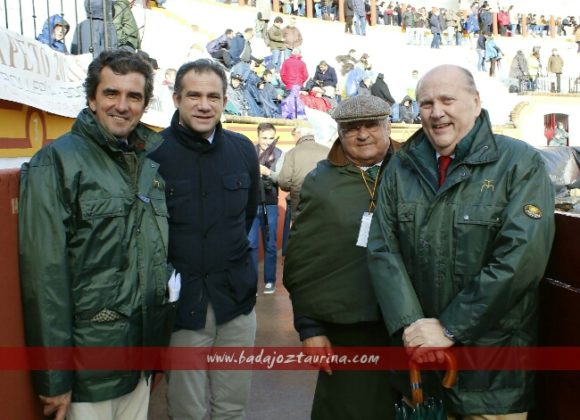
(305, 139)
(337, 156)
(144, 139)
(477, 147)
(192, 140)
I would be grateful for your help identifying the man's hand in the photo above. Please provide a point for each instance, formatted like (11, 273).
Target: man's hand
(421, 336)
(57, 405)
(320, 347)
(265, 171)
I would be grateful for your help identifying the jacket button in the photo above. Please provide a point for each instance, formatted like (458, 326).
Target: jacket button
(239, 183)
(204, 194)
(192, 313)
(466, 217)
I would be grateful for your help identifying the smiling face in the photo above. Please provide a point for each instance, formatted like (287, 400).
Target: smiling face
(119, 101)
(365, 142)
(266, 138)
(449, 106)
(200, 102)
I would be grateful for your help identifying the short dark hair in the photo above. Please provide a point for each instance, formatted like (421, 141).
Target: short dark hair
(265, 127)
(278, 19)
(202, 65)
(120, 62)
(229, 31)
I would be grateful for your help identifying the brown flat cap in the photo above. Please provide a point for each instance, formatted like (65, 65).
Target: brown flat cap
(361, 108)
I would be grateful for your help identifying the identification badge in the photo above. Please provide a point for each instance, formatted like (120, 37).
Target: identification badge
(365, 227)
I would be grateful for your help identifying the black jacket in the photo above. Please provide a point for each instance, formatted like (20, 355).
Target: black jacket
(381, 90)
(212, 197)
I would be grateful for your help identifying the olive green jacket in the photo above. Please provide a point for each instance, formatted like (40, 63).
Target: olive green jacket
(470, 253)
(93, 247)
(324, 271)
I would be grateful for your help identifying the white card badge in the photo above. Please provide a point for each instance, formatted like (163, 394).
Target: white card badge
(365, 227)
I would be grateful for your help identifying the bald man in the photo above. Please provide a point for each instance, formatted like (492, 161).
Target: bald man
(459, 242)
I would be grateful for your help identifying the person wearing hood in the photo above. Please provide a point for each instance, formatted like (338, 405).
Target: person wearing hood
(97, 32)
(364, 87)
(53, 32)
(381, 90)
(519, 71)
(406, 113)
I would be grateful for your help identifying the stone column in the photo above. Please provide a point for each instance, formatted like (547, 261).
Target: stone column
(373, 12)
(309, 9)
(341, 16)
(552, 27)
(524, 25)
(494, 23)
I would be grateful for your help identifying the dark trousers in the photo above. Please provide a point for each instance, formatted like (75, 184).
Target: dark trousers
(348, 25)
(353, 395)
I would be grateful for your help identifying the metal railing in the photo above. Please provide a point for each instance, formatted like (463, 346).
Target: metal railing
(28, 17)
(546, 84)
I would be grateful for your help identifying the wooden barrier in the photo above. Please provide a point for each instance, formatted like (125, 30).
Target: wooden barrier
(17, 397)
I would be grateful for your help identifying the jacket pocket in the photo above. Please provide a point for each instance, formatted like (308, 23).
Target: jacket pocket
(406, 231)
(102, 232)
(236, 193)
(243, 279)
(181, 201)
(475, 229)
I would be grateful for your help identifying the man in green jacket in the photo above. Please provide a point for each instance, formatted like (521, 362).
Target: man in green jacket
(325, 269)
(93, 238)
(456, 256)
(128, 36)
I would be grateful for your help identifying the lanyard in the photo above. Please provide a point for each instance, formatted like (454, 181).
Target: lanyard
(372, 193)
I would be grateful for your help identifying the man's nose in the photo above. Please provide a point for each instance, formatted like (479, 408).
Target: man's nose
(122, 103)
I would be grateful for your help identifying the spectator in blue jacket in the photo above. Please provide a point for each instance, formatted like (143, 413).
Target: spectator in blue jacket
(219, 48)
(325, 75)
(53, 32)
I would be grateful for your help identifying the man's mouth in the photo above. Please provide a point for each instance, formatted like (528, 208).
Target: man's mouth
(440, 126)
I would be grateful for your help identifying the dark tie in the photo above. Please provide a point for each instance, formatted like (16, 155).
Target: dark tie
(444, 162)
(373, 171)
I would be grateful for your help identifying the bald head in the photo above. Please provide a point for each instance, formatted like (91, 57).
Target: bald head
(449, 105)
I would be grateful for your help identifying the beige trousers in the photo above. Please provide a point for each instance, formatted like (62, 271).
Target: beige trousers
(514, 416)
(132, 406)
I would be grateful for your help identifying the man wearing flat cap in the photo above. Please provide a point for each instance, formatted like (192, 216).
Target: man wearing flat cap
(325, 269)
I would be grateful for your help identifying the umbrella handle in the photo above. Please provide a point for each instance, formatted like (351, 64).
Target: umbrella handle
(415, 376)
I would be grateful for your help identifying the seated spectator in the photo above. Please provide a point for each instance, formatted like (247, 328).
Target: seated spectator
(381, 90)
(128, 37)
(364, 87)
(270, 96)
(291, 106)
(294, 72)
(314, 99)
(240, 47)
(53, 32)
(219, 48)
(237, 103)
(325, 75)
(520, 72)
(347, 61)
(407, 114)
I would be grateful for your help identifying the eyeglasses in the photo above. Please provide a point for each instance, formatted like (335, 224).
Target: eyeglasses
(351, 129)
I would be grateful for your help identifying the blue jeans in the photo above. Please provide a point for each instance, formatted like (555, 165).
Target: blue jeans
(360, 25)
(276, 60)
(436, 43)
(270, 247)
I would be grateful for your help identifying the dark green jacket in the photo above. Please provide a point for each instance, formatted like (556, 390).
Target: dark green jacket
(125, 25)
(93, 249)
(324, 271)
(467, 253)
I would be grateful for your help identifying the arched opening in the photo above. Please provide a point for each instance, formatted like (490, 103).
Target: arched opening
(556, 129)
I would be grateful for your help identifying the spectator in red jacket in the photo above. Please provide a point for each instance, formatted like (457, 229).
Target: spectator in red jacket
(294, 70)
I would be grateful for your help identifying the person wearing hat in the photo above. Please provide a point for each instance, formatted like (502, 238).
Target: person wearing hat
(325, 270)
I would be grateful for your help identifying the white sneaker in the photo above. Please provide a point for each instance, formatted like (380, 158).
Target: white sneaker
(269, 289)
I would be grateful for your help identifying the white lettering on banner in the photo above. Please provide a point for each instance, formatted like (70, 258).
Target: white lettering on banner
(33, 74)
